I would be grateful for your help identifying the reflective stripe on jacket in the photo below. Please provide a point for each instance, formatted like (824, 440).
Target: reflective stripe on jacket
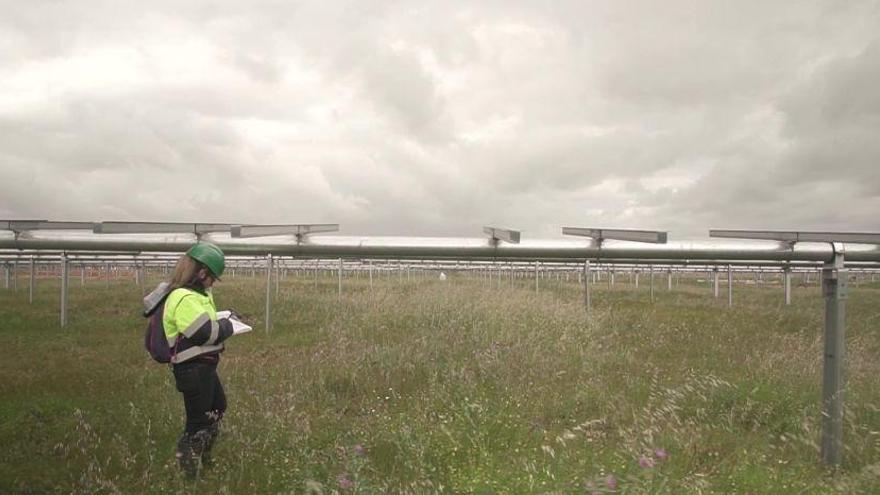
(190, 321)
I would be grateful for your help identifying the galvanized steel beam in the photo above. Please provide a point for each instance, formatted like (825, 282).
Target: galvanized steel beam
(451, 248)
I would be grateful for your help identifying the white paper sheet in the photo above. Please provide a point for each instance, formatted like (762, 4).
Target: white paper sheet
(237, 326)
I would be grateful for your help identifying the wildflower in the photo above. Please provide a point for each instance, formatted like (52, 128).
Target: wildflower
(646, 462)
(661, 454)
(345, 483)
(611, 482)
(359, 450)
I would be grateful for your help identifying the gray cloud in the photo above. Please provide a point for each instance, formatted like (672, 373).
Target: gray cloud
(435, 118)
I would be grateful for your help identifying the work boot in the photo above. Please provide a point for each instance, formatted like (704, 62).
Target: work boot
(213, 432)
(190, 449)
(187, 457)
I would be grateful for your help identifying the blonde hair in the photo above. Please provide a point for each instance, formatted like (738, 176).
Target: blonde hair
(184, 272)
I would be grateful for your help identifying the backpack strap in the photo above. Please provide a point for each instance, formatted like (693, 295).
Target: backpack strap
(173, 352)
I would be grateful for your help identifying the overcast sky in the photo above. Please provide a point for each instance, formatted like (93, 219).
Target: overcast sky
(438, 117)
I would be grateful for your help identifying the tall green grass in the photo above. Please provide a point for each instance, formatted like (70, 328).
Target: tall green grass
(463, 386)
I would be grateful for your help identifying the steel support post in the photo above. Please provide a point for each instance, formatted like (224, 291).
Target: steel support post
(786, 282)
(715, 277)
(33, 282)
(669, 279)
(729, 286)
(82, 275)
(637, 279)
(64, 280)
(370, 262)
(107, 274)
(834, 285)
(586, 277)
(15, 276)
(269, 263)
(652, 284)
(339, 292)
(6, 285)
(536, 276)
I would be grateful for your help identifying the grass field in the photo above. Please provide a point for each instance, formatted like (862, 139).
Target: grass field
(425, 386)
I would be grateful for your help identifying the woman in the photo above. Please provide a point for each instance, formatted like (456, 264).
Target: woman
(196, 336)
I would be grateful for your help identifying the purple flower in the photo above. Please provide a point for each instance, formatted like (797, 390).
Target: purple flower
(345, 482)
(661, 454)
(359, 450)
(611, 482)
(646, 462)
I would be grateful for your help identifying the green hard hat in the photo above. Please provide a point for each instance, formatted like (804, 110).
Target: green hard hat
(209, 255)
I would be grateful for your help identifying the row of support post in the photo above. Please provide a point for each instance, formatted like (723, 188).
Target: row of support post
(834, 289)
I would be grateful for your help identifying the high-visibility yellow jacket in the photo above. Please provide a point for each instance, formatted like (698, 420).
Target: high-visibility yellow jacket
(191, 325)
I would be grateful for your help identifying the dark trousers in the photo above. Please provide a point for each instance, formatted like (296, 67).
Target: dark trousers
(203, 395)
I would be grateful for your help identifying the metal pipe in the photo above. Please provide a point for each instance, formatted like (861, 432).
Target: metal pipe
(456, 248)
(161, 259)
